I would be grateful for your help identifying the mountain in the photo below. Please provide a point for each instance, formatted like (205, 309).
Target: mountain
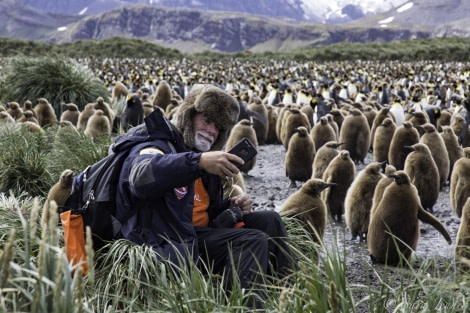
(325, 11)
(194, 30)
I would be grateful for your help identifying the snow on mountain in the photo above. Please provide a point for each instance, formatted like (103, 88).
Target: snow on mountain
(328, 10)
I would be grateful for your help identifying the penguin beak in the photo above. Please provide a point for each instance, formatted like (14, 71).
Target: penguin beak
(340, 144)
(409, 148)
(328, 185)
(383, 165)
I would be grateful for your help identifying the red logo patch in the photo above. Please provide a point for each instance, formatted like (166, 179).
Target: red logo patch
(180, 192)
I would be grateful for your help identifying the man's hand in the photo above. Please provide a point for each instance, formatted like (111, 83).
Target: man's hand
(219, 163)
(243, 201)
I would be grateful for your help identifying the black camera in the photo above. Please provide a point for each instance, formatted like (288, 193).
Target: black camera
(228, 218)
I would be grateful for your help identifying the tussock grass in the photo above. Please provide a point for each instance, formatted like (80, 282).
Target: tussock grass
(35, 276)
(58, 80)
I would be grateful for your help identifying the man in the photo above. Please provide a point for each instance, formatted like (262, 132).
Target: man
(176, 180)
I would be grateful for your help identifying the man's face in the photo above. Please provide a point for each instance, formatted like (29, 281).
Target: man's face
(205, 132)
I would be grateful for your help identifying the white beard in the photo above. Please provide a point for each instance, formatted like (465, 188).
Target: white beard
(203, 141)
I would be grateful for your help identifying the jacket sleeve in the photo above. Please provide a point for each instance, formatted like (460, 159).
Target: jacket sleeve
(151, 175)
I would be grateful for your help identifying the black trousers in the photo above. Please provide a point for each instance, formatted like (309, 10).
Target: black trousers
(260, 246)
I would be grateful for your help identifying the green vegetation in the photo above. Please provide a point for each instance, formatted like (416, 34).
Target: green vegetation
(441, 49)
(108, 48)
(56, 79)
(35, 277)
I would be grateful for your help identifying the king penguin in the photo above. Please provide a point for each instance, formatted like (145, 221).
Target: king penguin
(299, 156)
(307, 206)
(323, 158)
(359, 196)
(438, 149)
(423, 173)
(355, 133)
(460, 182)
(341, 171)
(405, 135)
(382, 139)
(395, 224)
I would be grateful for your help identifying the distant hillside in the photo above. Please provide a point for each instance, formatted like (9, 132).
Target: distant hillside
(192, 30)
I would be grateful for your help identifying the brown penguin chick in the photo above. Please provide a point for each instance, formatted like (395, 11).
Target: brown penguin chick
(405, 135)
(359, 196)
(282, 109)
(395, 222)
(382, 114)
(462, 245)
(437, 146)
(271, 137)
(6, 118)
(98, 126)
(299, 157)
(45, 113)
(87, 112)
(30, 126)
(148, 108)
(119, 99)
(454, 150)
(293, 120)
(444, 119)
(242, 130)
(162, 95)
(14, 110)
(342, 172)
(28, 106)
(333, 124)
(355, 133)
(70, 113)
(418, 119)
(382, 139)
(322, 133)
(171, 108)
(119, 91)
(323, 158)
(307, 206)
(458, 123)
(260, 121)
(106, 108)
(370, 113)
(28, 116)
(381, 185)
(459, 182)
(423, 173)
(308, 110)
(338, 117)
(59, 192)
(234, 185)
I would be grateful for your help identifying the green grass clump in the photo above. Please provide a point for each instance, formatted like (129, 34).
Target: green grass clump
(56, 79)
(23, 162)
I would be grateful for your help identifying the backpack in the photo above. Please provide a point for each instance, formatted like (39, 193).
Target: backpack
(93, 194)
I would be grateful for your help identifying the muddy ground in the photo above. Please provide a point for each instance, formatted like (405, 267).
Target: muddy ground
(269, 187)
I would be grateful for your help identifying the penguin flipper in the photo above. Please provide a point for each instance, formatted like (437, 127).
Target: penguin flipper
(428, 218)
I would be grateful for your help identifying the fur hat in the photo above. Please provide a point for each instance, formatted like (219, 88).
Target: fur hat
(215, 104)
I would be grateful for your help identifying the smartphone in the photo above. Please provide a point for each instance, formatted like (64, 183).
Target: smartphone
(243, 149)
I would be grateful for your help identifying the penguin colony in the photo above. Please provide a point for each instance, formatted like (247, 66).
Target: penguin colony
(368, 108)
